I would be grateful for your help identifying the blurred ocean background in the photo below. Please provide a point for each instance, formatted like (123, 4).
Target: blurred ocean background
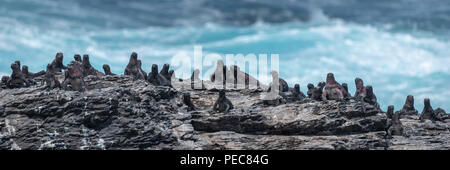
(400, 47)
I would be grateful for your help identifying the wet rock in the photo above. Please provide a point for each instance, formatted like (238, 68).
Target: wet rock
(124, 113)
(294, 119)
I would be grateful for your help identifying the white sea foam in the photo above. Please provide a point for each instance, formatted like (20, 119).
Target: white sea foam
(395, 63)
(4, 74)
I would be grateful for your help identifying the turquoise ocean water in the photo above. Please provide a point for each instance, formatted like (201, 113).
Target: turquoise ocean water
(399, 48)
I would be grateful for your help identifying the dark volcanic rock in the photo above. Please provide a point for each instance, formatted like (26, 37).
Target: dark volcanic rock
(121, 113)
(137, 117)
(314, 118)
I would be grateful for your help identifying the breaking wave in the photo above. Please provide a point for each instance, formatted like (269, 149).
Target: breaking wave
(396, 63)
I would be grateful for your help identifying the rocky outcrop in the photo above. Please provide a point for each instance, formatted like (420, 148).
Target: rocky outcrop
(310, 118)
(119, 112)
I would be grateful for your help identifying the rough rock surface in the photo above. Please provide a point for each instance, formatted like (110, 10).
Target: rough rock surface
(120, 113)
